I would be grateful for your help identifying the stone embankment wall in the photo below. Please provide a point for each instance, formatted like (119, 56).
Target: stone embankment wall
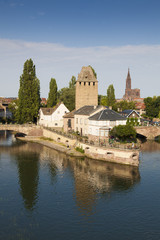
(59, 138)
(127, 157)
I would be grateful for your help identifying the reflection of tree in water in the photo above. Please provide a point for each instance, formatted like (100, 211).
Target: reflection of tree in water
(28, 167)
(97, 177)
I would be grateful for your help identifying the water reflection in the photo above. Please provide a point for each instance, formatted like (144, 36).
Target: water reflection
(90, 177)
(150, 146)
(28, 168)
(6, 138)
(97, 177)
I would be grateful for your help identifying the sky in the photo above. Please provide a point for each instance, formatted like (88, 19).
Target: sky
(62, 36)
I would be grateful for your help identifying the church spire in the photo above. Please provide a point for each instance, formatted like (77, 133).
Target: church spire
(128, 80)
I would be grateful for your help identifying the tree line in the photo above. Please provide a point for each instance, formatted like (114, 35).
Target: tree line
(25, 109)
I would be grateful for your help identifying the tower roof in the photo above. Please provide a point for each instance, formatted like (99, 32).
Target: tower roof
(86, 75)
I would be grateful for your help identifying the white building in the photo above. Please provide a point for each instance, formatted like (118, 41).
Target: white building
(52, 117)
(81, 118)
(102, 122)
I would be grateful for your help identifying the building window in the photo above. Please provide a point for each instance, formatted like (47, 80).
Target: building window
(81, 121)
(84, 83)
(76, 120)
(69, 123)
(88, 83)
(79, 83)
(93, 83)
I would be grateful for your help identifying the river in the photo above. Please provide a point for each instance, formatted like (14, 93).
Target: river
(46, 195)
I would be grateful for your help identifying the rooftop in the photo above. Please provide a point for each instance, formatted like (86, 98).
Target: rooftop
(107, 114)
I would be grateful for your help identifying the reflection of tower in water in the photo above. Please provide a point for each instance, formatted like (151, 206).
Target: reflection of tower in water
(96, 177)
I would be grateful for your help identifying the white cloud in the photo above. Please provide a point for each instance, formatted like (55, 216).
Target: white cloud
(56, 60)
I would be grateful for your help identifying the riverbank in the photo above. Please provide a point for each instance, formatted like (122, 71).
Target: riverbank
(70, 151)
(121, 156)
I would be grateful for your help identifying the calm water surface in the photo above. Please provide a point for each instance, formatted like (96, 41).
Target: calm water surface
(45, 195)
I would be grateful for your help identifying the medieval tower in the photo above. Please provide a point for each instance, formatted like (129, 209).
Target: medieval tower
(130, 94)
(86, 88)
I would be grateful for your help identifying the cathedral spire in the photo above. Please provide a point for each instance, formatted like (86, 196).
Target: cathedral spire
(128, 80)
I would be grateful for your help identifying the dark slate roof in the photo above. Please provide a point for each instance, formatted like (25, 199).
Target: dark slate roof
(128, 112)
(86, 110)
(107, 114)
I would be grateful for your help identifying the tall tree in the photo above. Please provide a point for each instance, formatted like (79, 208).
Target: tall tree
(52, 96)
(29, 94)
(72, 82)
(110, 95)
(67, 94)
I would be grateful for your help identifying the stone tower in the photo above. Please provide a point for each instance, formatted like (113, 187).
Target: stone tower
(130, 94)
(86, 88)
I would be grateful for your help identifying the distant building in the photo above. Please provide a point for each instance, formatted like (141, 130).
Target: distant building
(131, 114)
(140, 106)
(86, 88)
(44, 101)
(130, 94)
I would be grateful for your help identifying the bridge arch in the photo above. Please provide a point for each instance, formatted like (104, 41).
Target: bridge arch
(149, 131)
(27, 129)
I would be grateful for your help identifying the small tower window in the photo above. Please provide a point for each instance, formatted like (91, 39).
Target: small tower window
(88, 83)
(93, 83)
(84, 83)
(79, 83)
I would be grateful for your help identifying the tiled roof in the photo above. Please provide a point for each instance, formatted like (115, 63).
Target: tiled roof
(70, 114)
(107, 114)
(86, 110)
(49, 111)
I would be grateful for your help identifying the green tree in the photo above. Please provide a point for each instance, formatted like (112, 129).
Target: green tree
(72, 82)
(124, 105)
(29, 94)
(13, 106)
(103, 100)
(52, 96)
(67, 94)
(152, 106)
(110, 96)
(123, 132)
(95, 74)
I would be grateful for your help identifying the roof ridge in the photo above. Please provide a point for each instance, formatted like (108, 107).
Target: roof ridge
(101, 114)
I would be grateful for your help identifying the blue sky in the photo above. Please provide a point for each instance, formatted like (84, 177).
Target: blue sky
(62, 36)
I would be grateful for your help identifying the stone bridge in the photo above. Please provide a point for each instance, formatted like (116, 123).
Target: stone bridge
(28, 129)
(150, 132)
